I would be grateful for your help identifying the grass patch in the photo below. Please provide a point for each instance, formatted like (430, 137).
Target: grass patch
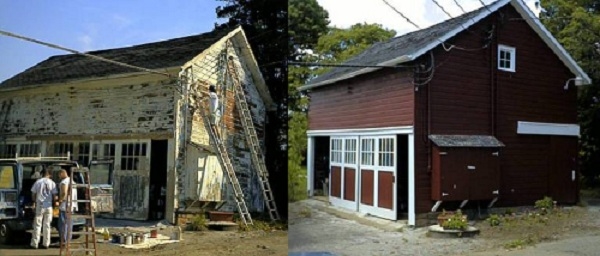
(520, 229)
(267, 226)
(198, 223)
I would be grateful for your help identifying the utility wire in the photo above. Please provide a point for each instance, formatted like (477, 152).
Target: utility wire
(443, 9)
(486, 7)
(437, 38)
(460, 6)
(81, 53)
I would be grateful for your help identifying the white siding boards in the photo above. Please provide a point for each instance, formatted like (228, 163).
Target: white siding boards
(121, 115)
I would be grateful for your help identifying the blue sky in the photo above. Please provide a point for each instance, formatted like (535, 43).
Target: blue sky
(93, 25)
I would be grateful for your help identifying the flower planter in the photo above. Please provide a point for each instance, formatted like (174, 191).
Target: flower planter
(443, 217)
(220, 216)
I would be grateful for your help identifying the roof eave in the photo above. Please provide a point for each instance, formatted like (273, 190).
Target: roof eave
(389, 63)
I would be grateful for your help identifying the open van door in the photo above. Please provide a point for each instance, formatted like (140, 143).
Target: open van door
(102, 180)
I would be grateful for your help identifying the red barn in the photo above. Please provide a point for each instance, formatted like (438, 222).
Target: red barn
(479, 109)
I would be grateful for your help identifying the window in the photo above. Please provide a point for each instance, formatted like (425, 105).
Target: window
(131, 154)
(506, 58)
(7, 177)
(386, 152)
(29, 150)
(101, 173)
(350, 152)
(83, 153)
(103, 151)
(8, 150)
(60, 149)
(367, 154)
(336, 151)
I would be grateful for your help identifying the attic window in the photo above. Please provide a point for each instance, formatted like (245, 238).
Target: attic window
(506, 58)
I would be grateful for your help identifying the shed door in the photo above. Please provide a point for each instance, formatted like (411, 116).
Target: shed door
(378, 176)
(344, 175)
(131, 176)
(562, 172)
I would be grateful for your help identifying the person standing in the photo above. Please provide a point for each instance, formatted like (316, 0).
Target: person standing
(63, 227)
(214, 107)
(43, 190)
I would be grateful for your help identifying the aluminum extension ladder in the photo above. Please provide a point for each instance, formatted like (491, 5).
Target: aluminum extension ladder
(225, 162)
(89, 245)
(252, 140)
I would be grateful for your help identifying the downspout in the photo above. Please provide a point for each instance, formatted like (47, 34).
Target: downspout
(429, 167)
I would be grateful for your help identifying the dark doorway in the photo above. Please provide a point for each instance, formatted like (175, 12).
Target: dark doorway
(402, 173)
(321, 164)
(158, 179)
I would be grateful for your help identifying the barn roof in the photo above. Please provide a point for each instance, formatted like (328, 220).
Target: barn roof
(412, 45)
(156, 55)
(466, 141)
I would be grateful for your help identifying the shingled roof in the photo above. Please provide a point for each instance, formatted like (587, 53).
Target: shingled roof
(408, 47)
(156, 55)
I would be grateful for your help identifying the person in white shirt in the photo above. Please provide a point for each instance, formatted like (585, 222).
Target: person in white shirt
(43, 191)
(62, 216)
(215, 110)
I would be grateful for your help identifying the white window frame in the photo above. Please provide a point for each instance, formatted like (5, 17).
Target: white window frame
(513, 57)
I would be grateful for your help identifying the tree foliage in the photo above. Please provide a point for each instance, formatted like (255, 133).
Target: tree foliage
(576, 25)
(265, 25)
(311, 40)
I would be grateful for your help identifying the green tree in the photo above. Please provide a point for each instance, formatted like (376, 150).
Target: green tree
(576, 25)
(335, 46)
(265, 24)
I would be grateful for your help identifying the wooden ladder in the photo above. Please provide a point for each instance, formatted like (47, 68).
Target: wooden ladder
(225, 161)
(89, 245)
(253, 143)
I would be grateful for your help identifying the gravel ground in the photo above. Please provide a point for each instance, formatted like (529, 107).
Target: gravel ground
(326, 233)
(314, 230)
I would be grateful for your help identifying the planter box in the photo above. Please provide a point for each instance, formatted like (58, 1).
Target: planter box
(220, 216)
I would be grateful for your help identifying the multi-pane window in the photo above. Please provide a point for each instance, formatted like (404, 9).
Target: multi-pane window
(350, 151)
(29, 150)
(336, 150)
(8, 150)
(61, 148)
(386, 152)
(367, 150)
(103, 151)
(506, 58)
(83, 153)
(131, 154)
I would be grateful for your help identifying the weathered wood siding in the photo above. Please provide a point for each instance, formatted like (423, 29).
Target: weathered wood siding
(208, 72)
(135, 108)
(380, 99)
(468, 89)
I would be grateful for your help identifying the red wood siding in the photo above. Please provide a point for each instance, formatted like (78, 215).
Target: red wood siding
(379, 99)
(366, 184)
(385, 190)
(349, 187)
(463, 91)
(336, 182)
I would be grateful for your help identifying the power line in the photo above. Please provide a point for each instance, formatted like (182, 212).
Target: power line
(437, 38)
(460, 6)
(484, 5)
(441, 7)
(81, 53)
(401, 14)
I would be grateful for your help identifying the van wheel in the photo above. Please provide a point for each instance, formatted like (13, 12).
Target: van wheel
(5, 234)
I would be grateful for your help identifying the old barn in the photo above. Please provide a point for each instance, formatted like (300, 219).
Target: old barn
(476, 111)
(148, 123)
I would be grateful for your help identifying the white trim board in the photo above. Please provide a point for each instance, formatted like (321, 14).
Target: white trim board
(522, 9)
(547, 128)
(362, 131)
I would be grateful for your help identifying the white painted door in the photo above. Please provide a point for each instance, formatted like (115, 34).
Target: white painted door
(343, 175)
(378, 188)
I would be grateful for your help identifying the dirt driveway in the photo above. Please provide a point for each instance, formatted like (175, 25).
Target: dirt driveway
(229, 243)
(313, 230)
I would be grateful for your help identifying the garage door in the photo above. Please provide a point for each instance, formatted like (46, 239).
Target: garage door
(378, 176)
(343, 173)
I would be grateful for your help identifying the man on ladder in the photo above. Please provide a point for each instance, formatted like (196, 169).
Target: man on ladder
(215, 111)
(65, 226)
